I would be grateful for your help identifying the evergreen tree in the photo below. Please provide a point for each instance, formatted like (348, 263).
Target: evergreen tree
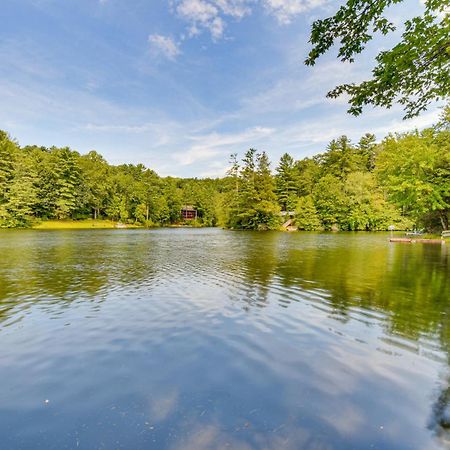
(306, 217)
(307, 174)
(367, 148)
(364, 187)
(230, 203)
(287, 183)
(341, 158)
(268, 211)
(68, 182)
(247, 195)
(8, 150)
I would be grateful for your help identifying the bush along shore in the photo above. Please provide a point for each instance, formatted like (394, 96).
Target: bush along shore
(401, 182)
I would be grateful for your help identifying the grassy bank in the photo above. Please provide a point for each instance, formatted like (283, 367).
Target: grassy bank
(79, 224)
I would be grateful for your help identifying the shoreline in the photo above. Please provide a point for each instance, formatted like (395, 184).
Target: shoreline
(104, 224)
(99, 224)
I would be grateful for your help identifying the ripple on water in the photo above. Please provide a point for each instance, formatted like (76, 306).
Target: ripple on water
(207, 339)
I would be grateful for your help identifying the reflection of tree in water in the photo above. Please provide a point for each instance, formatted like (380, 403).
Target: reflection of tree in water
(439, 421)
(408, 284)
(60, 267)
(256, 260)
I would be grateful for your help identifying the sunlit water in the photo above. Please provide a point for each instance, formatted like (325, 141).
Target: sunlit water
(208, 339)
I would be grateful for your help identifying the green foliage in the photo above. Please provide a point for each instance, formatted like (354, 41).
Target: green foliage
(68, 180)
(252, 198)
(414, 72)
(306, 217)
(22, 195)
(308, 173)
(367, 186)
(8, 150)
(366, 205)
(287, 182)
(342, 158)
(414, 168)
(37, 184)
(95, 182)
(330, 201)
(367, 149)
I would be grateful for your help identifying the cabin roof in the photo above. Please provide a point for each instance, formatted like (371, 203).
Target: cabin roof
(188, 208)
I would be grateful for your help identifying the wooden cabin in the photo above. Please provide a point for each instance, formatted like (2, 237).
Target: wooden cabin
(188, 212)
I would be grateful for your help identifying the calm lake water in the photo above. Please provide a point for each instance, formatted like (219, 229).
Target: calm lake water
(210, 339)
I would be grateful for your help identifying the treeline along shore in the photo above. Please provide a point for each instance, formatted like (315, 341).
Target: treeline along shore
(402, 182)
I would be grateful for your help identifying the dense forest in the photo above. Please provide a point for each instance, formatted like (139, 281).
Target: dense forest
(402, 181)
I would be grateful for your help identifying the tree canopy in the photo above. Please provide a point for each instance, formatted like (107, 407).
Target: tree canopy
(415, 72)
(404, 181)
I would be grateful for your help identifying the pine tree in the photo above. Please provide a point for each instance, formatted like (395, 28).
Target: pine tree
(68, 182)
(306, 217)
(367, 146)
(257, 204)
(8, 150)
(341, 158)
(287, 183)
(268, 211)
(248, 195)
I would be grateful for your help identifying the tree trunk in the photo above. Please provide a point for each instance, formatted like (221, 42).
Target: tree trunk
(444, 220)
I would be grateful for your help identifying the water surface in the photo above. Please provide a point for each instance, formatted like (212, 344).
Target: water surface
(209, 339)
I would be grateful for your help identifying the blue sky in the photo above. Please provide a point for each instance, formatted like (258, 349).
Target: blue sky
(179, 84)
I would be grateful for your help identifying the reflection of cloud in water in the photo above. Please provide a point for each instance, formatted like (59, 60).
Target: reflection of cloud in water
(162, 407)
(346, 420)
(214, 437)
(326, 337)
(207, 438)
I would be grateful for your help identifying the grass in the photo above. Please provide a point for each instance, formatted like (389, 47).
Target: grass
(86, 224)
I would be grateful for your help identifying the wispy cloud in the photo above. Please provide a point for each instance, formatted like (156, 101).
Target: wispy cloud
(208, 146)
(286, 10)
(213, 15)
(86, 88)
(210, 15)
(164, 45)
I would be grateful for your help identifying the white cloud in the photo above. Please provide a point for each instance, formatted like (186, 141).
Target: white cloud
(285, 97)
(194, 155)
(208, 146)
(285, 10)
(164, 45)
(210, 15)
(215, 169)
(235, 8)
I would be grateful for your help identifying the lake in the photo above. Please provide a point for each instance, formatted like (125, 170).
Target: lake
(200, 339)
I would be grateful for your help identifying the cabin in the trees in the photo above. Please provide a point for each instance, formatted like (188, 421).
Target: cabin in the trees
(188, 212)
